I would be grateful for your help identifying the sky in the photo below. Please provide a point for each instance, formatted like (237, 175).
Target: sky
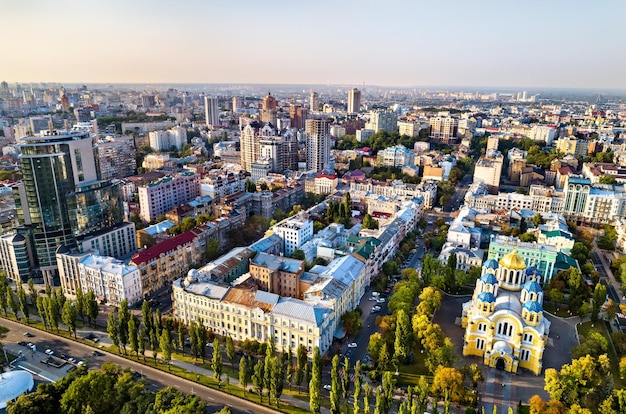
(474, 43)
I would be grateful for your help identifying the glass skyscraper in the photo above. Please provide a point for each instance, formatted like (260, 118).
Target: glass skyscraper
(61, 198)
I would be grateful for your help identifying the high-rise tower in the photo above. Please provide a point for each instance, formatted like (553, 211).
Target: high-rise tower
(62, 200)
(354, 100)
(211, 111)
(315, 102)
(268, 109)
(317, 144)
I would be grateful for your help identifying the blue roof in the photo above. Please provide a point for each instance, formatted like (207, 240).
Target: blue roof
(532, 270)
(486, 297)
(489, 279)
(532, 306)
(491, 264)
(532, 286)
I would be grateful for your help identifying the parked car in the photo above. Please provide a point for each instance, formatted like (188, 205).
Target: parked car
(375, 308)
(21, 343)
(28, 334)
(380, 300)
(352, 345)
(49, 352)
(72, 360)
(97, 353)
(328, 387)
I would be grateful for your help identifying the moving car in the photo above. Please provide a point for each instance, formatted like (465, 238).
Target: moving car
(352, 345)
(49, 352)
(328, 387)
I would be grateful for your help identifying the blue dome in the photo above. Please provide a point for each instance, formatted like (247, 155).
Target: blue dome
(532, 286)
(486, 297)
(533, 306)
(532, 270)
(491, 264)
(489, 279)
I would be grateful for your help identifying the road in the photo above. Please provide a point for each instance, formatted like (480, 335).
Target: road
(156, 379)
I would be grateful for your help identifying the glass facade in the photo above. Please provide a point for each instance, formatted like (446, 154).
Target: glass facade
(63, 194)
(94, 208)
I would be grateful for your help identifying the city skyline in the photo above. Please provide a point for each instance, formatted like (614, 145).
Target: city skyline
(403, 44)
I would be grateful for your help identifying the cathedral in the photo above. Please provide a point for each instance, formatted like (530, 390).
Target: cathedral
(504, 322)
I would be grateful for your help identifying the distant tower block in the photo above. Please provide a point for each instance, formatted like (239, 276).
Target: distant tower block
(492, 143)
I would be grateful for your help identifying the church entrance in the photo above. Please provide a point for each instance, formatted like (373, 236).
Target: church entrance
(500, 364)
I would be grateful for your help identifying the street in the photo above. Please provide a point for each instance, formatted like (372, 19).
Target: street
(156, 379)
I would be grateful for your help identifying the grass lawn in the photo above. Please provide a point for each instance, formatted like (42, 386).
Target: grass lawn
(410, 374)
(558, 310)
(585, 328)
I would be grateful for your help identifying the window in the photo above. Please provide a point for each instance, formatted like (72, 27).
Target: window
(480, 344)
(525, 355)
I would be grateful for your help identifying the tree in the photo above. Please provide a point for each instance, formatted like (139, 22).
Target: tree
(80, 303)
(52, 312)
(3, 292)
(193, 339)
(598, 299)
(92, 307)
(369, 222)
(41, 309)
(216, 360)
(390, 268)
(345, 382)
(356, 406)
(298, 254)
(277, 380)
(450, 381)
(32, 293)
(383, 358)
(607, 179)
(123, 318)
(586, 381)
(244, 373)
(141, 342)
(301, 362)
(21, 297)
(250, 186)
(315, 385)
(203, 338)
(13, 305)
(230, 350)
(212, 249)
(367, 397)
(402, 345)
(388, 385)
(421, 394)
(146, 315)
(69, 317)
(133, 326)
(334, 386)
(181, 336)
(113, 330)
(538, 219)
(166, 346)
(257, 379)
(154, 343)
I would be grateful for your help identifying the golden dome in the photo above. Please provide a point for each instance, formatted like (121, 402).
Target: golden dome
(513, 261)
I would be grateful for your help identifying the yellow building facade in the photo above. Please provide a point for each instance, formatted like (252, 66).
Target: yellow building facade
(504, 322)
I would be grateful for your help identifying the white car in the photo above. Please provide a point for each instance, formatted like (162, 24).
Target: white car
(49, 352)
(381, 300)
(328, 387)
(352, 345)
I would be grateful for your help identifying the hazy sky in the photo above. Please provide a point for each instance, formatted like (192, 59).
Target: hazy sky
(536, 43)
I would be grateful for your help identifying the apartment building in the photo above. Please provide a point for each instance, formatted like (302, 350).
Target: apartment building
(161, 196)
(294, 231)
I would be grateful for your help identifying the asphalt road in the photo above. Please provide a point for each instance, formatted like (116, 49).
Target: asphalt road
(156, 379)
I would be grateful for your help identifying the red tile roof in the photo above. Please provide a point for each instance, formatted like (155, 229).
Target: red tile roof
(163, 247)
